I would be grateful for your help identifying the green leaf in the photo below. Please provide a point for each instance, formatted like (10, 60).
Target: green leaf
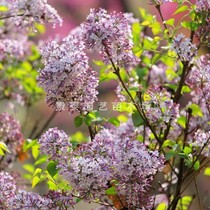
(187, 150)
(170, 154)
(38, 172)
(168, 143)
(78, 121)
(42, 159)
(29, 167)
(40, 28)
(52, 185)
(185, 89)
(145, 23)
(28, 176)
(183, 8)
(137, 119)
(184, 202)
(1, 152)
(161, 206)
(35, 181)
(207, 171)
(51, 168)
(155, 58)
(78, 200)
(35, 151)
(186, 24)
(182, 121)
(196, 165)
(169, 22)
(111, 191)
(196, 111)
(114, 121)
(4, 147)
(29, 144)
(88, 120)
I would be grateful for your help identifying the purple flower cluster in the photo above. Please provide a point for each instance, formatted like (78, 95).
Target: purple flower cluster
(201, 142)
(199, 81)
(54, 143)
(10, 48)
(14, 199)
(67, 78)
(7, 189)
(202, 5)
(11, 89)
(18, 21)
(10, 134)
(114, 154)
(158, 106)
(111, 35)
(198, 78)
(30, 11)
(184, 48)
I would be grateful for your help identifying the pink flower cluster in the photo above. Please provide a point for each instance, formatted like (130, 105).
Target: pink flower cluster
(114, 154)
(159, 108)
(202, 5)
(110, 34)
(14, 198)
(28, 12)
(10, 134)
(18, 21)
(184, 48)
(67, 78)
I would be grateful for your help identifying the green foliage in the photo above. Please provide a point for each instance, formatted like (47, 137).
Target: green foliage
(114, 121)
(161, 206)
(185, 202)
(183, 8)
(137, 119)
(196, 110)
(52, 168)
(78, 121)
(207, 171)
(111, 191)
(3, 148)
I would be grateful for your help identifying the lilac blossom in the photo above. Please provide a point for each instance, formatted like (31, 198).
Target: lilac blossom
(158, 107)
(12, 90)
(201, 142)
(184, 48)
(198, 78)
(11, 49)
(114, 154)
(10, 134)
(59, 200)
(7, 189)
(54, 143)
(28, 200)
(202, 5)
(199, 81)
(30, 11)
(67, 78)
(11, 197)
(111, 35)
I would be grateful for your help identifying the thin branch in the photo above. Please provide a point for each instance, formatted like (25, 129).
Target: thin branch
(46, 124)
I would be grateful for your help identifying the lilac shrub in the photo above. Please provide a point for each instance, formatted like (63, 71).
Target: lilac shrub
(145, 157)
